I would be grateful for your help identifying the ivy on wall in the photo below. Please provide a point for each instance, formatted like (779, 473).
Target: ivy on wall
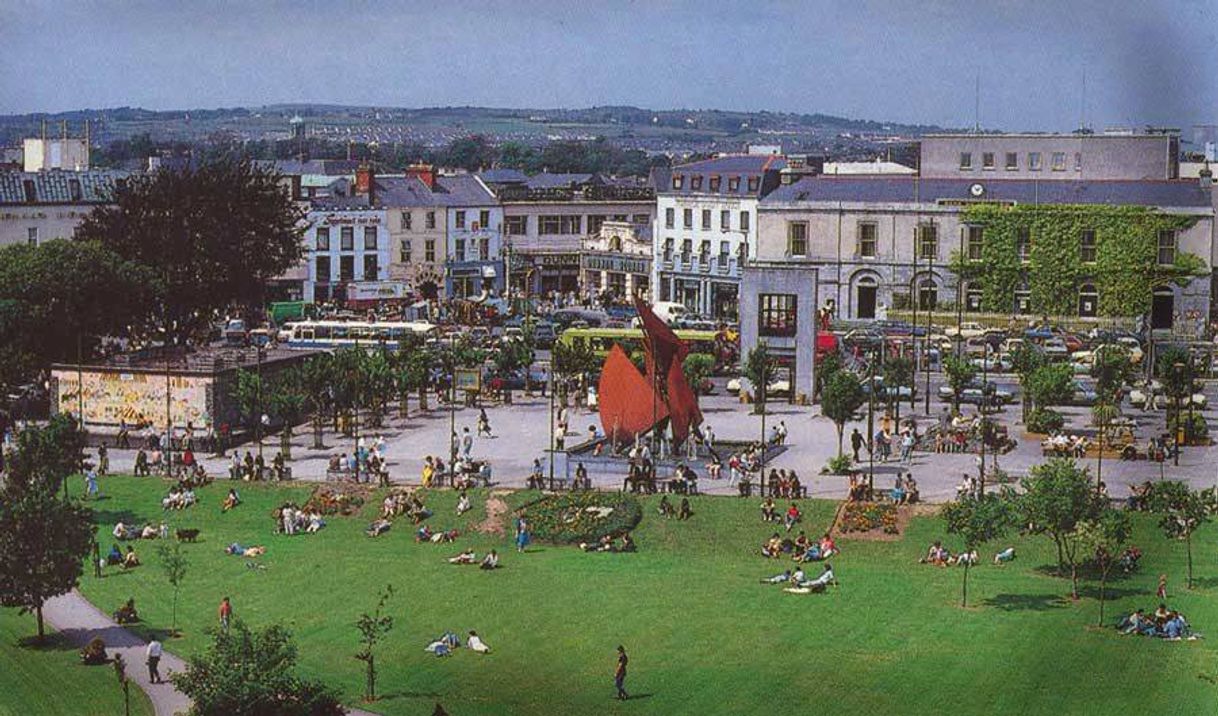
(1125, 271)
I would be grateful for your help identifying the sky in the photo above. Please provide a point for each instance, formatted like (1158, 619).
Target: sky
(1145, 61)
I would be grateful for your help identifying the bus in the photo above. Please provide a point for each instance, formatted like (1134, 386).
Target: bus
(339, 334)
(601, 340)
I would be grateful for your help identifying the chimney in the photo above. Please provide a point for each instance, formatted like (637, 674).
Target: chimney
(425, 173)
(365, 182)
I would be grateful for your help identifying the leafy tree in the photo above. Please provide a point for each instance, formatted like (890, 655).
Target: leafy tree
(840, 402)
(977, 519)
(234, 223)
(1105, 538)
(173, 564)
(472, 153)
(1049, 385)
(1177, 371)
(1111, 368)
(43, 538)
(377, 383)
(316, 378)
(411, 368)
(1025, 360)
(1057, 497)
(758, 368)
(372, 628)
(1182, 512)
(828, 365)
(250, 394)
(698, 367)
(898, 372)
(252, 673)
(960, 373)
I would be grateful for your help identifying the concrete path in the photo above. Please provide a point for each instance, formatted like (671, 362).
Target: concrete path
(79, 621)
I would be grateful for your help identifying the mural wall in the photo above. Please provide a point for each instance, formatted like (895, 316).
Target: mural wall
(111, 397)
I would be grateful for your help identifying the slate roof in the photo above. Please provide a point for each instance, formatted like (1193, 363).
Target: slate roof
(329, 167)
(464, 190)
(406, 192)
(547, 180)
(896, 190)
(504, 176)
(744, 166)
(56, 186)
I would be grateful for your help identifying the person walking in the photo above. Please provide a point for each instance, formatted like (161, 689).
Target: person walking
(91, 491)
(856, 443)
(484, 424)
(467, 443)
(103, 460)
(522, 534)
(619, 673)
(153, 655)
(226, 613)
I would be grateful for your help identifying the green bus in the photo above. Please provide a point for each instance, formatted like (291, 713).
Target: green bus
(600, 340)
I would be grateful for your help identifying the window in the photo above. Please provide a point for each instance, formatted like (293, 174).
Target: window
(797, 238)
(668, 250)
(670, 218)
(928, 295)
(31, 194)
(1023, 243)
(623, 217)
(460, 220)
(1034, 161)
(370, 238)
(370, 267)
(1059, 161)
(641, 219)
(867, 239)
(744, 221)
(928, 241)
(459, 251)
(406, 251)
(429, 250)
(975, 237)
(687, 249)
(754, 184)
(346, 238)
(677, 181)
(777, 314)
(615, 243)
(431, 220)
(987, 160)
(725, 220)
(407, 220)
(725, 253)
(1012, 161)
(322, 242)
(31, 235)
(972, 298)
(346, 268)
(695, 182)
(516, 225)
(1078, 161)
(1167, 247)
(549, 224)
(706, 219)
(704, 251)
(1086, 246)
(966, 161)
(74, 189)
(1023, 299)
(687, 218)
(484, 250)
(715, 183)
(322, 264)
(484, 218)
(1088, 301)
(594, 223)
(733, 184)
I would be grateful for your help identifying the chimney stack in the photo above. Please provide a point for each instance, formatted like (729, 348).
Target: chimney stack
(425, 173)
(365, 181)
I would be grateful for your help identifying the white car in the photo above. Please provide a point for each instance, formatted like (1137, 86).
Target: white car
(1158, 400)
(778, 387)
(966, 330)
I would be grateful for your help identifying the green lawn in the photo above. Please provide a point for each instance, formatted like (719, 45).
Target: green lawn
(703, 635)
(49, 679)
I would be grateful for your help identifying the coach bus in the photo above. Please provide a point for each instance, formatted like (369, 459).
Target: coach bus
(338, 334)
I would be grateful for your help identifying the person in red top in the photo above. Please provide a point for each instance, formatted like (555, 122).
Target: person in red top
(226, 612)
(828, 547)
(793, 516)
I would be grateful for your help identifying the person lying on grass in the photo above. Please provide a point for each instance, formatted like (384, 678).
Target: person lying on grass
(476, 644)
(378, 528)
(238, 550)
(465, 557)
(426, 534)
(778, 578)
(814, 585)
(1004, 556)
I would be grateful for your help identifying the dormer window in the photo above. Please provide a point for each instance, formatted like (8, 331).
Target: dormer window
(733, 184)
(31, 195)
(74, 189)
(677, 181)
(715, 182)
(695, 183)
(754, 184)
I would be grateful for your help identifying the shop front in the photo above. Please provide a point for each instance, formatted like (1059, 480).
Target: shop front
(622, 276)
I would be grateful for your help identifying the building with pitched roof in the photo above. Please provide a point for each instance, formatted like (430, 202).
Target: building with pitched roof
(45, 205)
(705, 229)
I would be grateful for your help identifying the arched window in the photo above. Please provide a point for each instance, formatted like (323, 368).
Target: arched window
(615, 243)
(928, 294)
(1088, 301)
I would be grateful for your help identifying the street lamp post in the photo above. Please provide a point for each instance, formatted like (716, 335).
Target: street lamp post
(261, 410)
(452, 404)
(871, 424)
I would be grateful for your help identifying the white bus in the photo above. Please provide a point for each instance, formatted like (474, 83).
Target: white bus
(338, 334)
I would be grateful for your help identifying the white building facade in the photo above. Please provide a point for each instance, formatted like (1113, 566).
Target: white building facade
(347, 246)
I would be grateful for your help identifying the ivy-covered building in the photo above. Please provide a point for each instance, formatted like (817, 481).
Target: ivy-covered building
(1090, 248)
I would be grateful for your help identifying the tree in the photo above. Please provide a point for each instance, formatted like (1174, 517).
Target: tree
(316, 377)
(173, 564)
(43, 538)
(828, 365)
(1057, 497)
(410, 369)
(960, 373)
(1177, 371)
(235, 222)
(698, 368)
(977, 519)
(758, 368)
(574, 360)
(372, 628)
(898, 372)
(840, 402)
(250, 394)
(1050, 385)
(1104, 538)
(1025, 359)
(252, 673)
(120, 672)
(1182, 512)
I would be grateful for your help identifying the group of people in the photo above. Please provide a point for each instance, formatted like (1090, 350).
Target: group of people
(1163, 623)
(366, 462)
(666, 510)
(785, 484)
(179, 498)
(124, 532)
(404, 503)
(126, 560)
(798, 582)
(448, 641)
(607, 543)
(1062, 444)
(940, 556)
(469, 556)
(290, 520)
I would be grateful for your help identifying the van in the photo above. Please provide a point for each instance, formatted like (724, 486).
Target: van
(669, 311)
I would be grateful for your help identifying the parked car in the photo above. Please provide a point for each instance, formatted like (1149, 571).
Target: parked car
(975, 393)
(903, 392)
(1055, 349)
(1083, 394)
(965, 330)
(993, 364)
(544, 335)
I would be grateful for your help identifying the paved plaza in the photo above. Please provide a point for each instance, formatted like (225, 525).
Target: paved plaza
(521, 435)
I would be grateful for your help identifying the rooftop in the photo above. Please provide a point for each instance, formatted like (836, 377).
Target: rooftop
(58, 186)
(207, 359)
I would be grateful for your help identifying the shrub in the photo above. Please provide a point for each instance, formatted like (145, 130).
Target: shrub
(1044, 420)
(838, 465)
(1196, 430)
(582, 516)
(94, 653)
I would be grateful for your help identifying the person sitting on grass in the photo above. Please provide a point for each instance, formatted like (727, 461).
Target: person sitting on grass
(936, 554)
(778, 578)
(490, 561)
(1135, 622)
(628, 544)
(315, 520)
(769, 513)
(475, 643)
(230, 501)
(773, 547)
(121, 532)
(465, 557)
(665, 507)
(1004, 556)
(825, 579)
(463, 505)
(968, 557)
(378, 528)
(416, 511)
(685, 512)
(793, 517)
(802, 543)
(130, 560)
(828, 547)
(423, 534)
(115, 556)
(811, 553)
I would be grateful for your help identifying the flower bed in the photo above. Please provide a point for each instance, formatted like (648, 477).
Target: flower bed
(868, 516)
(344, 500)
(587, 516)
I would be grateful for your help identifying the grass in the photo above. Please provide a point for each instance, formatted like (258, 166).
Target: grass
(33, 677)
(703, 635)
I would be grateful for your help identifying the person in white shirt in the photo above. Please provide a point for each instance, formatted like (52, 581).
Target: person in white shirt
(818, 585)
(153, 654)
(463, 505)
(475, 643)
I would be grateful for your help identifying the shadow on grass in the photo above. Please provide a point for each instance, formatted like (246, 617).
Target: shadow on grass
(1025, 602)
(1204, 582)
(636, 697)
(407, 695)
(1092, 591)
(52, 642)
(110, 517)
